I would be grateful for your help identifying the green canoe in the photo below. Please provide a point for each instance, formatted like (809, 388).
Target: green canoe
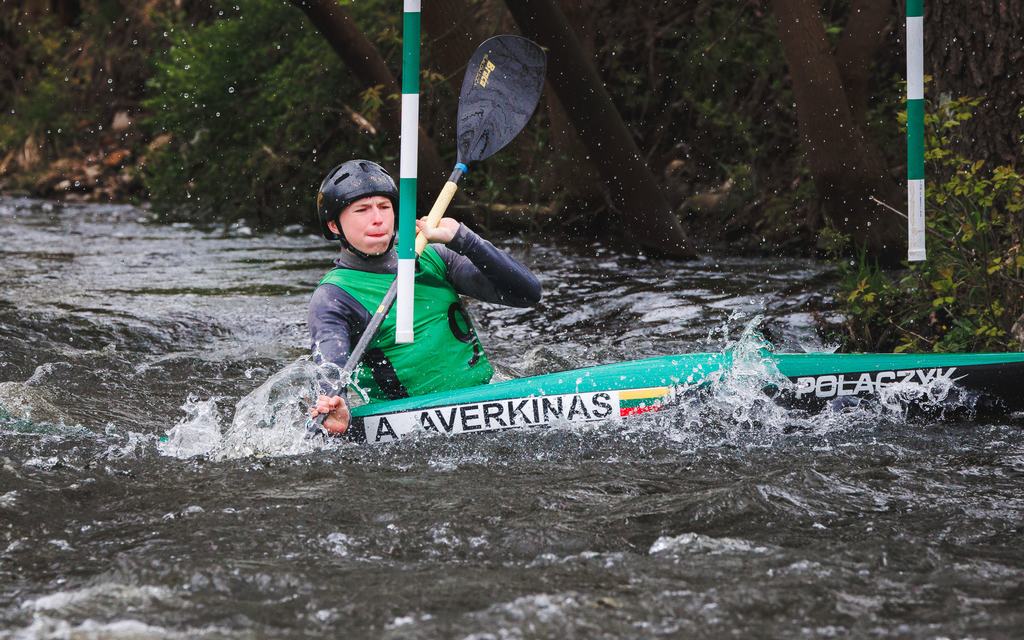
(988, 381)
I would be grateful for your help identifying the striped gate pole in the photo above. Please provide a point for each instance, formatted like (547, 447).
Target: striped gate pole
(407, 169)
(915, 130)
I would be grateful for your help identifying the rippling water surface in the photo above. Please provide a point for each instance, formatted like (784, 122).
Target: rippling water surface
(732, 517)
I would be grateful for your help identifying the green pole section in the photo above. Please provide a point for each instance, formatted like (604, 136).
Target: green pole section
(915, 131)
(407, 173)
(915, 139)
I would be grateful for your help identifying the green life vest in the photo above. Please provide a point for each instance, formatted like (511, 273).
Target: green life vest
(446, 353)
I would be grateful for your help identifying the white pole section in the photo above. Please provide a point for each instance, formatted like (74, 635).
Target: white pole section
(915, 131)
(407, 170)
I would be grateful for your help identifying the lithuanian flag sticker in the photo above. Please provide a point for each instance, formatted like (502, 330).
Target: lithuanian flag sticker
(636, 401)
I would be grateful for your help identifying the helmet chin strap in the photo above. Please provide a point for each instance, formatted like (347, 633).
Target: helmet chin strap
(362, 254)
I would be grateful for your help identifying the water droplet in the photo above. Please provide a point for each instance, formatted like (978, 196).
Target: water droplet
(231, 89)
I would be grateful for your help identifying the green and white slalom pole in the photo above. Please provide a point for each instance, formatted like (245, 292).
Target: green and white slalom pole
(407, 170)
(915, 130)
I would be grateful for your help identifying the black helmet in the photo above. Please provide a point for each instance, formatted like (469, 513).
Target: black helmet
(347, 183)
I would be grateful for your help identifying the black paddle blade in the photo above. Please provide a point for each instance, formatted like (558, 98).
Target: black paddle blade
(501, 89)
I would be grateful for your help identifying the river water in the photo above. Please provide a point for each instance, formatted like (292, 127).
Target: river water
(155, 482)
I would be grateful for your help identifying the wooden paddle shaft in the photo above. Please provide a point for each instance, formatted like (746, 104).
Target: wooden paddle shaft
(437, 212)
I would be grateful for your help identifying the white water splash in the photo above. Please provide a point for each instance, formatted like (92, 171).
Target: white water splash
(104, 594)
(340, 544)
(134, 445)
(695, 543)
(734, 408)
(46, 628)
(27, 401)
(271, 420)
(198, 433)
(938, 393)
(739, 408)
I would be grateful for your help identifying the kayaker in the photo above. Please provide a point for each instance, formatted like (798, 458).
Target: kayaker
(356, 205)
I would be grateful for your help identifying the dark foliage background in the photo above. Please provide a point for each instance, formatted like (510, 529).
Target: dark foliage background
(216, 111)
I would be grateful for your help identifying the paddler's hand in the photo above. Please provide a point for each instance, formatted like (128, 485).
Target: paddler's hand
(337, 412)
(442, 233)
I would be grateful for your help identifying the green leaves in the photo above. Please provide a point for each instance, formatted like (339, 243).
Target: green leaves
(371, 101)
(259, 107)
(970, 291)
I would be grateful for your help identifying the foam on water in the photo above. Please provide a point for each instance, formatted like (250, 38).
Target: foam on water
(28, 402)
(269, 421)
(104, 594)
(46, 628)
(52, 613)
(198, 433)
(695, 543)
(740, 408)
(743, 406)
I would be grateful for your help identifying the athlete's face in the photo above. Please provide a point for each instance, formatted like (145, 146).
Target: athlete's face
(368, 224)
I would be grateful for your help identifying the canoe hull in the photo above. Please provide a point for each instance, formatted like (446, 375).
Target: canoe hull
(985, 382)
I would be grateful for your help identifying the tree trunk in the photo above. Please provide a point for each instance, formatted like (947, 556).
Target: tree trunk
(977, 49)
(67, 11)
(366, 63)
(564, 168)
(452, 37)
(847, 167)
(647, 217)
(864, 34)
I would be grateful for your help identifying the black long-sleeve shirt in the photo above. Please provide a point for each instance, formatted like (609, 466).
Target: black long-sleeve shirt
(475, 267)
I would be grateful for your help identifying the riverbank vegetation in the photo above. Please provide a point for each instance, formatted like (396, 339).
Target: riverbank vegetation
(761, 126)
(969, 294)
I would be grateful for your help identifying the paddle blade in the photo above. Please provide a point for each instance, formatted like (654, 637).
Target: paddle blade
(501, 89)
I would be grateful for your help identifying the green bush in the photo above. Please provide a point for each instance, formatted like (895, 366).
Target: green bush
(46, 111)
(970, 291)
(258, 107)
(46, 103)
(64, 82)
